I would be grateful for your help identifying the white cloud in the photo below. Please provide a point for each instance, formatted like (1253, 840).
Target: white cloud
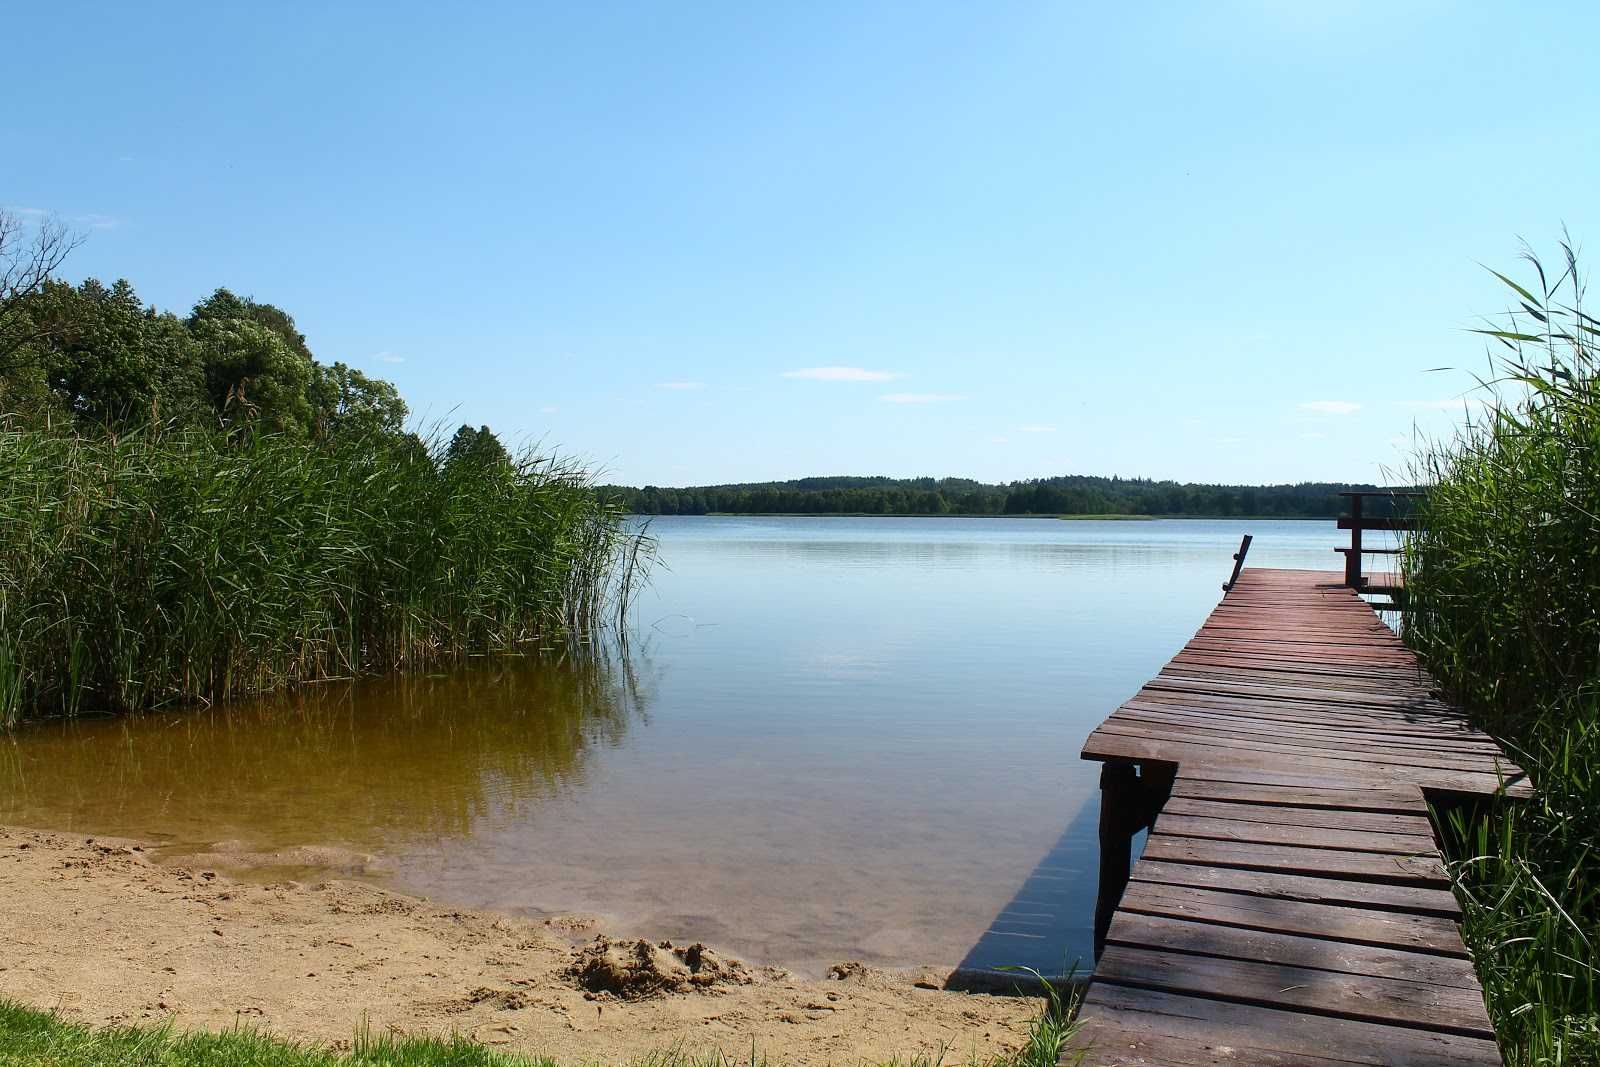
(1331, 407)
(680, 386)
(1000, 439)
(841, 374)
(919, 398)
(1312, 435)
(388, 357)
(1036, 428)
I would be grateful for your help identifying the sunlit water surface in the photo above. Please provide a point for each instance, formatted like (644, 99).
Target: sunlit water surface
(825, 739)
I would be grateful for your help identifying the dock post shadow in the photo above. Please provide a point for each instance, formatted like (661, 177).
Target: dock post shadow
(1046, 926)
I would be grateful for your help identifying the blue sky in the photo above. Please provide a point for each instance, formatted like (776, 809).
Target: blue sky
(716, 242)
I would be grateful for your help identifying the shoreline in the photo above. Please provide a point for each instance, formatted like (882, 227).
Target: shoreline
(102, 931)
(952, 515)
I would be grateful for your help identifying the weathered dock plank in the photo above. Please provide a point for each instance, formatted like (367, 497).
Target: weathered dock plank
(1290, 905)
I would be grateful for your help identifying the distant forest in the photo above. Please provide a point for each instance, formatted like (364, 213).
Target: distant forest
(1068, 495)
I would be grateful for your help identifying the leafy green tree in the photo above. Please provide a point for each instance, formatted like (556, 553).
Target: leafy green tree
(224, 304)
(479, 449)
(346, 402)
(95, 354)
(252, 377)
(110, 362)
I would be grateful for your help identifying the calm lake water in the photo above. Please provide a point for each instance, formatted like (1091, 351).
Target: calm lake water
(825, 739)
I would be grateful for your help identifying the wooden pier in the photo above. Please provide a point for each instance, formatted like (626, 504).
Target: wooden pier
(1290, 906)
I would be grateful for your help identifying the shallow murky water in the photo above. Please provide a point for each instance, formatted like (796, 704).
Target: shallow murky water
(824, 739)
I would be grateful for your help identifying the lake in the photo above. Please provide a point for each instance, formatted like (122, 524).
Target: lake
(823, 739)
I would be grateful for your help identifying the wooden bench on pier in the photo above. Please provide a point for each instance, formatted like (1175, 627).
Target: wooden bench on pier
(1290, 905)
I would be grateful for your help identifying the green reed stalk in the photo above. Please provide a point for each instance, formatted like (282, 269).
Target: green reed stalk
(168, 566)
(1505, 581)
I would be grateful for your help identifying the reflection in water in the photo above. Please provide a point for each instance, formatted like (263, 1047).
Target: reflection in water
(844, 739)
(365, 765)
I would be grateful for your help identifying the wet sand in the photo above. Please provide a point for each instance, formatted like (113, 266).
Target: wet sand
(100, 930)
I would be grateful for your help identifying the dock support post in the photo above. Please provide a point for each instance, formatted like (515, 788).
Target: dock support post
(1130, 799)
(1119, 800)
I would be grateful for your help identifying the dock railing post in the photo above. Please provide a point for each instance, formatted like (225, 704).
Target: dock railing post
(1397, 516)
(1238, 563)
(1352, 558)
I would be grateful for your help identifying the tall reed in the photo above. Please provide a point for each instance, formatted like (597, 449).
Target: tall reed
(176, 565)
(1505, 582)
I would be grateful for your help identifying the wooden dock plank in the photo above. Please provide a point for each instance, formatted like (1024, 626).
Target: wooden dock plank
(1410, 899)
(1290, 905)
(1198, 937)
(1366, 926)
(1111, 745)
(1295, 815)
(1406, 1001)
(1262, 796)
(1311, 835)
(1140, 1026)
(1298, 859)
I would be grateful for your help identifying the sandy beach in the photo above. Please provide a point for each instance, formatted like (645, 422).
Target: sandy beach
(99, 930)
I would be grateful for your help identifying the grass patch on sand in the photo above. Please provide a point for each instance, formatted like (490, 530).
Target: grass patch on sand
(30, 1038)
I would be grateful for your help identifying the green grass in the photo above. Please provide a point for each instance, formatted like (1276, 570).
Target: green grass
(38, 1039)
(1505, 582)
(31, 1038)
(181, 566)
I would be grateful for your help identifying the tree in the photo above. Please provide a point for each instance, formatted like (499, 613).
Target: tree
(478, 449)
(110, 361)
(224, 304)
(252, 376)
(29, 257)
(345, 402)
(257, 367)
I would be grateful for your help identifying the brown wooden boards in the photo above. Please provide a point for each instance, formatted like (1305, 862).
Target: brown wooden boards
(1140, 1026)
(1290, 906)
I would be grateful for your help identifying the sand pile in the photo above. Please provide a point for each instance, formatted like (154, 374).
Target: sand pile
(634, 970)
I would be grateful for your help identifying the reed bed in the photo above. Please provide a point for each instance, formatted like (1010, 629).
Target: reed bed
(180, 565)
(1505, 582)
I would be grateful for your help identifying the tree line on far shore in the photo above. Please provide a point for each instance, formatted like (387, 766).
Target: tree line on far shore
(1066, 495)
